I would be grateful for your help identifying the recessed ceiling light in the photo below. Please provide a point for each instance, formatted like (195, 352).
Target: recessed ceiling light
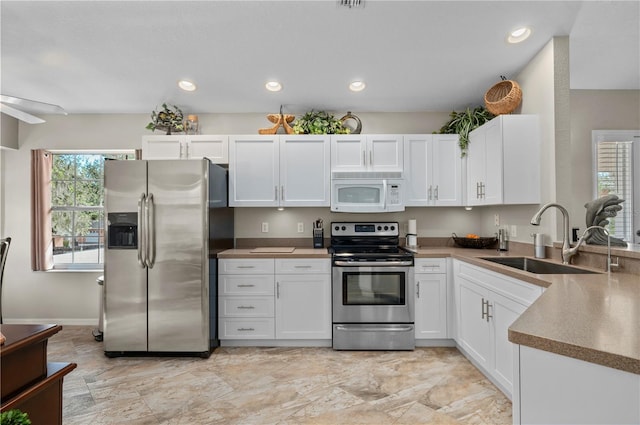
(273, 86)
(186, 85)
(518, 35)
(357, 85)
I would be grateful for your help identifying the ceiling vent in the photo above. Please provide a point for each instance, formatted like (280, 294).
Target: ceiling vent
(351, 3)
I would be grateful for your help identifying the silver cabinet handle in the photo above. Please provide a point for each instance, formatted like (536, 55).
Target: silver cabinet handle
(477, 190)
(245, 286)
(141, 233)
(275, 191)
(364, 158)
(371, 263)
(302, 267)
(371, 158)
(187, 149)
(246, 267)
(418, 289)
(180, 144)
(375, 329)
(489, 316)
(277, 289)
(429, 193)
(282, 193)
(245, 307)
(483, 308)
(435, 196)
(246, 329)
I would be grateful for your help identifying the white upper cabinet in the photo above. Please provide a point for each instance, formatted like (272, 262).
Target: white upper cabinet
(279, 170)
(503, 161)
(432, 170)
(358, 152)
(214, 147)
(305, 171)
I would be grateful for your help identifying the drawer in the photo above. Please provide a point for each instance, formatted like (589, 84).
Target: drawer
(303, 265)
(245, 266)
(431, 265)
(246, 306)
(235, 284)
(233, 328)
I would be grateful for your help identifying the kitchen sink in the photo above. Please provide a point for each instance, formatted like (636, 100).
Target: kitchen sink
(536, 266)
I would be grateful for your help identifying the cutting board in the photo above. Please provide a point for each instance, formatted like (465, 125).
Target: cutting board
(273, 250)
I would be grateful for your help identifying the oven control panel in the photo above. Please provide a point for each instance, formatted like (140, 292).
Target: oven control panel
(385, 228)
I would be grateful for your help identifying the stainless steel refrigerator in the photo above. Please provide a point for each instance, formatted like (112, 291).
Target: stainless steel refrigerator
(164, 219)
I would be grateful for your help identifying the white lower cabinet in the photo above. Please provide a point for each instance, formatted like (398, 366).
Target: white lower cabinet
(487, 304)
(431, 298)
(267, 299)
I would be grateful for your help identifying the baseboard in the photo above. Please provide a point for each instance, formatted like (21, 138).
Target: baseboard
(57, 321)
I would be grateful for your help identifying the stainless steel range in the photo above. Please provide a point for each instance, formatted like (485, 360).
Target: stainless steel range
(373, 288)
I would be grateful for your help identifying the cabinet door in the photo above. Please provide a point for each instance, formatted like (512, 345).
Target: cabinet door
(446, 170)
(303, 306)
(384, 152)
(216, 148)
(417, 170)
(476, 163)
(503, 312)
(348, 152)
(254, 165)
(493, 163)
(431, 306)
(162, 147)
(473, 329)
(305, 171)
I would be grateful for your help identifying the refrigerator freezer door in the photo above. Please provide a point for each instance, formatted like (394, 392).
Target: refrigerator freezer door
(178, 280)
(125, 280)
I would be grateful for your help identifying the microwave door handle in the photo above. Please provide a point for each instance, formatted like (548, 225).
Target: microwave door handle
(141, 231)
(384, 194)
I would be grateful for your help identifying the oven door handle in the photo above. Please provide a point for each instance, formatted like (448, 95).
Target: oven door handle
(372, 263)
(396, 328)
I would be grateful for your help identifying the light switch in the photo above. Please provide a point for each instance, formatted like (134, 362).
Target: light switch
(301, 227)
(265, 227)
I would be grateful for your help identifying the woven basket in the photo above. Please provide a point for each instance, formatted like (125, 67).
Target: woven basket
(477, 243)
(503, 98)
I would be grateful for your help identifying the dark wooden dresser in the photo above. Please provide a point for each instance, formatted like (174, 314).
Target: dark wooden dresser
(27, 381)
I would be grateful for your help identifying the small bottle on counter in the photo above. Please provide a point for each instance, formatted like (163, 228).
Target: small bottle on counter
(538, 245)
(503, 240)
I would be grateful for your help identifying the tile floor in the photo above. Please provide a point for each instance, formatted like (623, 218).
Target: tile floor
(274, 386)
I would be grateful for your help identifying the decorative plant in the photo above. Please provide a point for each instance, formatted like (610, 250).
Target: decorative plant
(14, 417)
(170, 119)
(462, 123)
(319, 122)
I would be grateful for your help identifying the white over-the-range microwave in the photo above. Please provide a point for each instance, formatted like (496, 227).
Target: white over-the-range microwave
(367, 191)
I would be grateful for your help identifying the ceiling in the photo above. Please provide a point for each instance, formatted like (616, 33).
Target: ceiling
(127, 56)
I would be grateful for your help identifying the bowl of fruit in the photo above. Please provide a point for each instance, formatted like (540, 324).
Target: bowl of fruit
(471, 240)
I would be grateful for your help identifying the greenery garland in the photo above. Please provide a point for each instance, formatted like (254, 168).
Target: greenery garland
(462, 123)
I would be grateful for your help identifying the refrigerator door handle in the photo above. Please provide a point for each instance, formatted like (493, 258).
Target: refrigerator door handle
(151, 232)
(141, 232)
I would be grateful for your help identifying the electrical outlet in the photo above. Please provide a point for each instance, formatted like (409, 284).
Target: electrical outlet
(513, 232)
(265, 227)
(300, 227)
(496, 219)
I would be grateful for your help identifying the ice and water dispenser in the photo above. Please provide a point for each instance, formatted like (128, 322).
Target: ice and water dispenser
(123, 230)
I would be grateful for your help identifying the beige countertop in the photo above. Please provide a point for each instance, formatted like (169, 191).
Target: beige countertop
(591, 317)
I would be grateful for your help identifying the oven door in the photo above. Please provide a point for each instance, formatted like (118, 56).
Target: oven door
(373, 294)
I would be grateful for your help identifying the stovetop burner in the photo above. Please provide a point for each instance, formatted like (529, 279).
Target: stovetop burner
(372, 241)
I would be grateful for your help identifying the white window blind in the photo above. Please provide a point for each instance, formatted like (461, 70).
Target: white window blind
(614, 161)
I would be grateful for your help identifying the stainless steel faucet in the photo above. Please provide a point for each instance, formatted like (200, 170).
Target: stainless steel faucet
(567, 251)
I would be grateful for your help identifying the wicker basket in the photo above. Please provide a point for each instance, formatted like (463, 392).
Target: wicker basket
(503, 98)
(477, 243)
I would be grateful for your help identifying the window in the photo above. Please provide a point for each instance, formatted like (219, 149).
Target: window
(615, 172)
(77, 208)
